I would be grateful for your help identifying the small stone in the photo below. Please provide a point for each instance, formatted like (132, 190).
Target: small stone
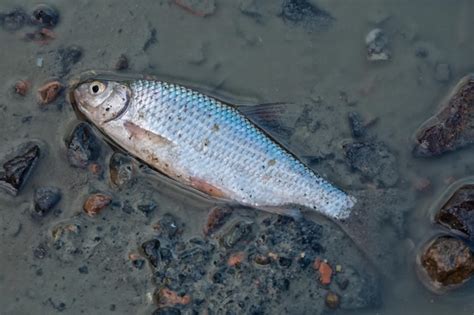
(13, 20)
(49, 92)
(40, 252)
(332, 300)
(448, 262)
(22, 87)
(167, 297)
(216, 218)
(96, 203)
(457, 213)
(122, 63)
(377, 45)
(442, 72)
(338, 268)
(342, 283)
(45, 15)
(83, 270)
(151, 250)
(235, 259)
(68, 57)
(82, 146)
(284, 261)
(16, 170)
(45, 199)
(121, 169)
(168, 225)
(262, 260)
(198, 7)
(147, 208)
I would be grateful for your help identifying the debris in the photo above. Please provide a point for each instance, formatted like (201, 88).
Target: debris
(377, 45)
(216, 218)
(332, 300)
(457, 213)
(442, 72)
(168, 225)
(82, 146)
(200, 8)
(122, 63)
(448, 262)
(49, 92)
(167, 297)
(306, 14)
(235, 259)
(16, 170)
(45, 199)
(262, 260)
(96, 203)
(453, 127)
(22, 87)
(45, 15)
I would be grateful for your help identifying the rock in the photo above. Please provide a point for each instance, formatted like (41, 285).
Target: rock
(41, 251)
(262, 260)
(120, 169)
(442, 72)
(373, 161)
(448, 262)
(306, 14)
(13, 20)
(82, 146)
(453, 127)
(458, 212)
(377, 45)
(49, 92)
(22, 87)
(198, 7)
(45, 15)
(17, 169)
(216, 218)
(168, 226)
(147, 207)
(357, 124)
(122, 63)
(325, 271)
(96, 203)
(151, 250)
(332, 300)
(240, 231)
(68, 57)
(45, 199)
(236, 259)
(167, 311)
(167, 297)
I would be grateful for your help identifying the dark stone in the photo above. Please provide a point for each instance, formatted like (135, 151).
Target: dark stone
(122, 63)
(45, 199)
(453, 127)
(357, 125)
(448, 261)
(120, 169)
(304, 13)
(166, 254)
(147, 208)
(167, 311)
(16, 170)
(332, 300)
(82, 146)
(138, 263)
(151, 249)
(168, 225)
(83, 270)
(374, 161)
(40, 251)
(216, 218)
(45, 16)
(285, 262)
(13, 20)
(68, 57)
(458, 212)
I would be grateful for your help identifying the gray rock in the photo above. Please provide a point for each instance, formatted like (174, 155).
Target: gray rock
(45, 199)
(82, 146)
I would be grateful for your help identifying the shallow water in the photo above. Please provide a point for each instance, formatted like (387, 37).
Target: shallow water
(264, 59)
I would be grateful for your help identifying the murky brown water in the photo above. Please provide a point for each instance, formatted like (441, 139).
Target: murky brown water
(257, 58)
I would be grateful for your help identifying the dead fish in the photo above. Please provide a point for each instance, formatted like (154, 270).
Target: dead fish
(206, 144)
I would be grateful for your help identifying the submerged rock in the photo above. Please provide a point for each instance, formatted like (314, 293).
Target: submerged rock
(122, 63)
(68, 57)
(45, 199)
(458, 212)
(120, 169)
(151, 249)
(82, 146)
(447, 262)
(17, 169)
(332, 300)
(96, 203)
(453, 127)
(49, 92)
(304, 13)
(45, 15)
(377, 45)
(374, 161)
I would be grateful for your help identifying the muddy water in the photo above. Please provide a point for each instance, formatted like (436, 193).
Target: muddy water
(259, 57)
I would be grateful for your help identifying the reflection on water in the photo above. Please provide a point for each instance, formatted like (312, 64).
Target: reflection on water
(359, 79)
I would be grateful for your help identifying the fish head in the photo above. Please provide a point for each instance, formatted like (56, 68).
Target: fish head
(102, 101)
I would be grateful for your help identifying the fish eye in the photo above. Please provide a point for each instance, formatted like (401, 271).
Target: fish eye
(97, 87)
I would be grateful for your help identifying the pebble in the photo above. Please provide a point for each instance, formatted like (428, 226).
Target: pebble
(121, 169)
(45, 15)
(151, 250)
(262, 260)
(332, 300)
(448, 262)
(45, 199)
(82, 146)
(122, 63)
(216, 218)
(442, 72)
(95, 203)
(22, 87)
(235, 259)
(377, 45)
(198, 7)
(451, 128)
(457, 213)
(167, 297)
(49, 92)
(16, 170)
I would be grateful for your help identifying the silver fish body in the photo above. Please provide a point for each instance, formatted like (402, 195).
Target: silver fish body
(206, 144)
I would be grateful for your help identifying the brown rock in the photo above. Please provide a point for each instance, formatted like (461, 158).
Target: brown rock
(325, 271)
(453, 127)
(167, 297)
(235, 259)
(96, 203)
(49, 92)
(216, 218)
(22, 87)
(458, 212)
(332, 300)
(447, 261)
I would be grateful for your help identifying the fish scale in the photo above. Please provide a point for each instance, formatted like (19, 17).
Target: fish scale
(198, 139)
